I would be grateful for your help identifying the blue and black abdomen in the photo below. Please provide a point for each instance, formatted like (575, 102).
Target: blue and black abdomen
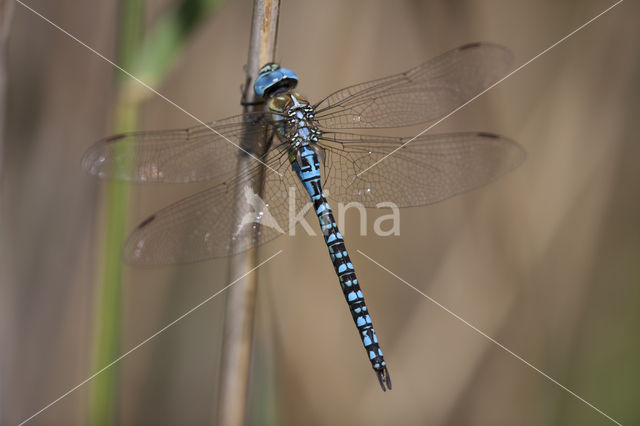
(297, 127)
(309, 173)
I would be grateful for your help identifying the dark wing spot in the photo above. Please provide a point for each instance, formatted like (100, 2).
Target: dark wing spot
(488, 135)
(114, 138)
(146, 221)
(469, 46)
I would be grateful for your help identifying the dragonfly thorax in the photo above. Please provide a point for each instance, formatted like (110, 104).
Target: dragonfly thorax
(296, 116)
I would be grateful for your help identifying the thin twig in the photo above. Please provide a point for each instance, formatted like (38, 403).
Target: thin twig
(239, 317)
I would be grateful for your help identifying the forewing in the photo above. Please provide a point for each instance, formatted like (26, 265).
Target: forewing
(423, 94)
(174, 156)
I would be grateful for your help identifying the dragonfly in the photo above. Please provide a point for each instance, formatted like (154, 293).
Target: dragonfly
(301, 151)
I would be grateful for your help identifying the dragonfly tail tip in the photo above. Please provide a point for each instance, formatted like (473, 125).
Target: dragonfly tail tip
(384, 379)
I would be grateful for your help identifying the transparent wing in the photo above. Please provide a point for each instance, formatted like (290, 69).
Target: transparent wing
(202, 226)
(173, 156)
(423, 94)
(429, 169)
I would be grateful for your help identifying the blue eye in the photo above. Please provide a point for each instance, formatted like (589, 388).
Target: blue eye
(273, 77)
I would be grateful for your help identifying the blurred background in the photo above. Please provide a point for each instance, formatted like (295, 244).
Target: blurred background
(546, 260)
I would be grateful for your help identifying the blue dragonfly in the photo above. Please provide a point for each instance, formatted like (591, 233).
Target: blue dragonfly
(300, 148)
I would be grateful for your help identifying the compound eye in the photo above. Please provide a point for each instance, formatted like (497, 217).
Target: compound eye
(272, 78)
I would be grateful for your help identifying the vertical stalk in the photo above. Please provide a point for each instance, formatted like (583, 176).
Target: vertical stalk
(103, 406)
(6, 15)
(240, 310)
(149, 59)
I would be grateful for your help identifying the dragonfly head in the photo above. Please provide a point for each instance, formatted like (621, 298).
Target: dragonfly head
(272, 78)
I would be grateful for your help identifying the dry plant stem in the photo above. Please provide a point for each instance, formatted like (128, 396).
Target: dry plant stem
(6, 14)
(240, 311)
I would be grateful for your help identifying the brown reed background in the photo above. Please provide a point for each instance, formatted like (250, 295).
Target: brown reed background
(546, 261)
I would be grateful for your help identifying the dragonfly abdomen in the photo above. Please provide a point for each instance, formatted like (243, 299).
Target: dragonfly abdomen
(309, 173)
